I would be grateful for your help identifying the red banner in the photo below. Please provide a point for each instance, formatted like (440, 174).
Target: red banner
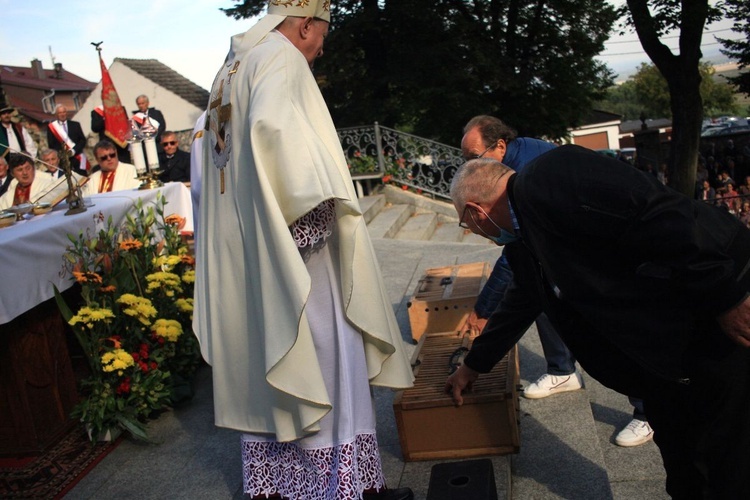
(116, 124)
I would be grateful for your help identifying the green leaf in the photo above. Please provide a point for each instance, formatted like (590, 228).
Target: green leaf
(62, 305)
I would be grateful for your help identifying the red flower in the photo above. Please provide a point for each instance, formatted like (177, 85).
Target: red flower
(404, 187)
(136, 357)
(386, 178)
(154, 366)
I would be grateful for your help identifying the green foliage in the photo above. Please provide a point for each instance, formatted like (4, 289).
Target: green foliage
(429, 66)
(647, 91)
(135, 324)
(622, 99)
(739, 50)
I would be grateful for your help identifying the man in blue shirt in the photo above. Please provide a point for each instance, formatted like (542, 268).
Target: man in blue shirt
(488, 137)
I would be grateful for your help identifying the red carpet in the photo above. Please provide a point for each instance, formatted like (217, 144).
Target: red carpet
(53, 474)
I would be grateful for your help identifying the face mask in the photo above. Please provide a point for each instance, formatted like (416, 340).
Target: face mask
(505, 236)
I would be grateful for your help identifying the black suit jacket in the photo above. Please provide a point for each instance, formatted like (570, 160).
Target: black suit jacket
(75, 132)
(5, 184)
(175, 169)
(631, 273)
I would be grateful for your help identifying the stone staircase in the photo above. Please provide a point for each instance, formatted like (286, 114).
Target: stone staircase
(402, 215)
(567, 441)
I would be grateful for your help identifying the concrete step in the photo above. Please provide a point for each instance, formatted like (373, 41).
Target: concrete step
(420, 226)
(447, 232)
(389, 220)
(371, 205)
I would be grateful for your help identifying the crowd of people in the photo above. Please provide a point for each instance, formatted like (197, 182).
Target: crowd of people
(723, 178)
(27, 173)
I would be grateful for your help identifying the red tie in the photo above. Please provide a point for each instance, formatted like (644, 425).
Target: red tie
(108, 179)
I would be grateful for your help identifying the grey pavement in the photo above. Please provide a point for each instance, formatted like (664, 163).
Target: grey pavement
(567, 441)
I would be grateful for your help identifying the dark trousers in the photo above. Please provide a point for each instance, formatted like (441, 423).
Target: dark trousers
(703, 428)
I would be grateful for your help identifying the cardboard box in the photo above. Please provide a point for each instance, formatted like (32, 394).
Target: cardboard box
(444, 298)
(431, 427)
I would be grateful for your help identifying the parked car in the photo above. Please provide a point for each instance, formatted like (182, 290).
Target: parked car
(628, 155)
(612, 153)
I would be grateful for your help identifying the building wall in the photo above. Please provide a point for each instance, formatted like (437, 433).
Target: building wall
(604, 136)
(178, 113)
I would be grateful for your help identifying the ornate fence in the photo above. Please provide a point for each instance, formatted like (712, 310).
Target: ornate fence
(374, 152)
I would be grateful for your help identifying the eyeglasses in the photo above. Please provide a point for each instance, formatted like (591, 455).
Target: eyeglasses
(169, 143)
(491, 147)
(107, 157)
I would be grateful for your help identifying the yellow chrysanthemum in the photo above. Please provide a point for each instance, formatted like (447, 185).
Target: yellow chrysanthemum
(184, 305)
(137, 307)
(189, 276)
(169, 282)
(166, 262)
(88, 316)
(170, 329)
(116, 360)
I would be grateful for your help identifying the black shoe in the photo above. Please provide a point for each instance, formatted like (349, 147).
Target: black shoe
(397, 494)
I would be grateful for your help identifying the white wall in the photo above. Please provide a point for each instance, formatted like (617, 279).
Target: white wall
(179, 114)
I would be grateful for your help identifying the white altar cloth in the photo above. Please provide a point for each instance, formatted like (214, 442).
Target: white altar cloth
(31, 251)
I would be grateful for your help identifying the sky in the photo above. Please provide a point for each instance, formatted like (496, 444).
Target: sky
(191, 37)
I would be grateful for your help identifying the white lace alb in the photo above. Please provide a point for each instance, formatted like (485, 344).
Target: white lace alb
(315, 225)
(333, 473)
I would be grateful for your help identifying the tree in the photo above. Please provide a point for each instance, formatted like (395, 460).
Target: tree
(651, 19)
(739, 10)
(622, 99)
(427, 66)
(652, 92)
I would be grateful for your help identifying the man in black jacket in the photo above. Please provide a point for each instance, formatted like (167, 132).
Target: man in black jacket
(173, 162)
(64, 134)
(649, 290)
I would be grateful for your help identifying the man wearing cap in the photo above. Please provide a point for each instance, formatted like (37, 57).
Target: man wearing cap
(291, 310)
(64, 134)
(14, 138)
(26, 186)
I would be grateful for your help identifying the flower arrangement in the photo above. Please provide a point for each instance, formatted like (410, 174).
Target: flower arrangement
(134, 325)
(362, 164)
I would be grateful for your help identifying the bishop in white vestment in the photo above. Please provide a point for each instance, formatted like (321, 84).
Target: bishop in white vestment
(291, 310)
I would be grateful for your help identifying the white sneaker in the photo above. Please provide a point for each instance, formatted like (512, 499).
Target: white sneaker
(547, 385)
(635, 433)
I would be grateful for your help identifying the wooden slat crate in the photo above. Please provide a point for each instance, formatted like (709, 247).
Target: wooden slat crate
(431, 427)
(445, 296)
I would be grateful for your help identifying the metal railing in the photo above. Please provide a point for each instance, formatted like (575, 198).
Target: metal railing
(375, 151)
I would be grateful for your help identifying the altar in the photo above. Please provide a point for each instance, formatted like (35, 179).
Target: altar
(37, 384)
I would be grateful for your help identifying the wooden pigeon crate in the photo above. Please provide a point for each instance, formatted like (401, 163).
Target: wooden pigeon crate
(445, 296)
(431, 427)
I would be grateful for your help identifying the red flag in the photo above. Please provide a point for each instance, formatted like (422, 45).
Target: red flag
(116, 124)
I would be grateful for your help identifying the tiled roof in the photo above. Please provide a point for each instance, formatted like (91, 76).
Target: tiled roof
(23, 76)
(169, 79)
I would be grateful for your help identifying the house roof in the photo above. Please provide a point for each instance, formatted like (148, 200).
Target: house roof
(23, 76)
(630, 126)
(597, 116)
(17, 81)
(168, 78)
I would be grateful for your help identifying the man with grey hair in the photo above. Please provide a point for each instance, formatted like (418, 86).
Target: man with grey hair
(67, 135)
(290, 306)
(147, 117)
(5, 176)
(648, 288)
